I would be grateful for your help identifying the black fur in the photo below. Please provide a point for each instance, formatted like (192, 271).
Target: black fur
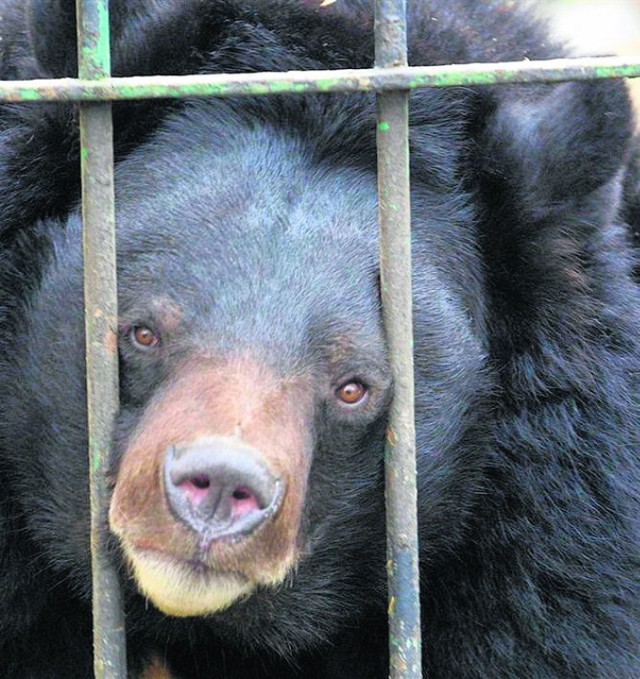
(258, 217)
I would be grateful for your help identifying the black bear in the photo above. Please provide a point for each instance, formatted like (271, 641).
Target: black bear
(247, 512)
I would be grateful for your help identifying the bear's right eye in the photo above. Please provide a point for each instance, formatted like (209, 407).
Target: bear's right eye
(351, 393)
(143, 337)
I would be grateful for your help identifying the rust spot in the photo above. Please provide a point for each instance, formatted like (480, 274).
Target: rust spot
(111, 341)
(392, 607)
(391, 437)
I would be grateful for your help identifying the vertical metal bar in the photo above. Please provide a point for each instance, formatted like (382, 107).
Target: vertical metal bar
(98, 216)
(395, 269)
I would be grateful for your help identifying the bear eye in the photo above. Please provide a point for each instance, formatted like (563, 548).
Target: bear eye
(143, 337)
(352, 393)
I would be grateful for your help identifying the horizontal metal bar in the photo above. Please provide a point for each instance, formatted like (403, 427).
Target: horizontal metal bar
(304, 82)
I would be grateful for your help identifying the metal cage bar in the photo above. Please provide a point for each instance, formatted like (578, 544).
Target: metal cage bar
(394, 214)
(94, 88)
(306, 82)
(100, 298)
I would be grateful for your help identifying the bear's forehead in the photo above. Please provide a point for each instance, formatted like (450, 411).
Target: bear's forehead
(242, 180)
(251, 216)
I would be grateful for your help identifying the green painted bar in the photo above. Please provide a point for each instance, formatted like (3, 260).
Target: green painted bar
(299, 82)
(98, 216)
(403, 571)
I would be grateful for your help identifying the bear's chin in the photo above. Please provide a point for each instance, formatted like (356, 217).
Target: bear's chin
(181, 589)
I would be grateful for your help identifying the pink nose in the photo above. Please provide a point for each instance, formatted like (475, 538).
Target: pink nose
(220, 487)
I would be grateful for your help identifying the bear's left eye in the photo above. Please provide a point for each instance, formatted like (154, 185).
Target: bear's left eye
(143, 337)
(352, 393)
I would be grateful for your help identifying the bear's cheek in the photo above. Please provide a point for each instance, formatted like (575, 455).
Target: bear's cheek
(210, 490)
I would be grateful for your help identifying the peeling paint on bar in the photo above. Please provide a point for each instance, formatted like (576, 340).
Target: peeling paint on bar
(299, 82)
(403, 575)
(98, 217)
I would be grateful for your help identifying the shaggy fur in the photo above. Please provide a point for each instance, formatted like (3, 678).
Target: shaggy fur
(247, 236)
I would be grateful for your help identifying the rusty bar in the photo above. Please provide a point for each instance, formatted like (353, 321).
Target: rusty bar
(98, 217)
(405, 655)
(306, 82)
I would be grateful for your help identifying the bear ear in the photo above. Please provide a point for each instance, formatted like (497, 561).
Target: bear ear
(557, 143)
(549, 179)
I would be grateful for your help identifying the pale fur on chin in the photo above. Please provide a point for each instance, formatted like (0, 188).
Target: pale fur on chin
(175, 589)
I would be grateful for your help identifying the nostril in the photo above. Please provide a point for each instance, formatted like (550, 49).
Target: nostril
(195, 488)
(241, 493)
(201, 481)
(243, 502)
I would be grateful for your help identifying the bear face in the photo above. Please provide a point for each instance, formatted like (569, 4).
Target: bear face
(257, 361)
(247, 511)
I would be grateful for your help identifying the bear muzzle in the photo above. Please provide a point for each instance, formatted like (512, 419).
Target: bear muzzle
(210, 491)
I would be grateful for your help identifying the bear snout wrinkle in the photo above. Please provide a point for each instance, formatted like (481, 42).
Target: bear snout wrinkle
(220, 487)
